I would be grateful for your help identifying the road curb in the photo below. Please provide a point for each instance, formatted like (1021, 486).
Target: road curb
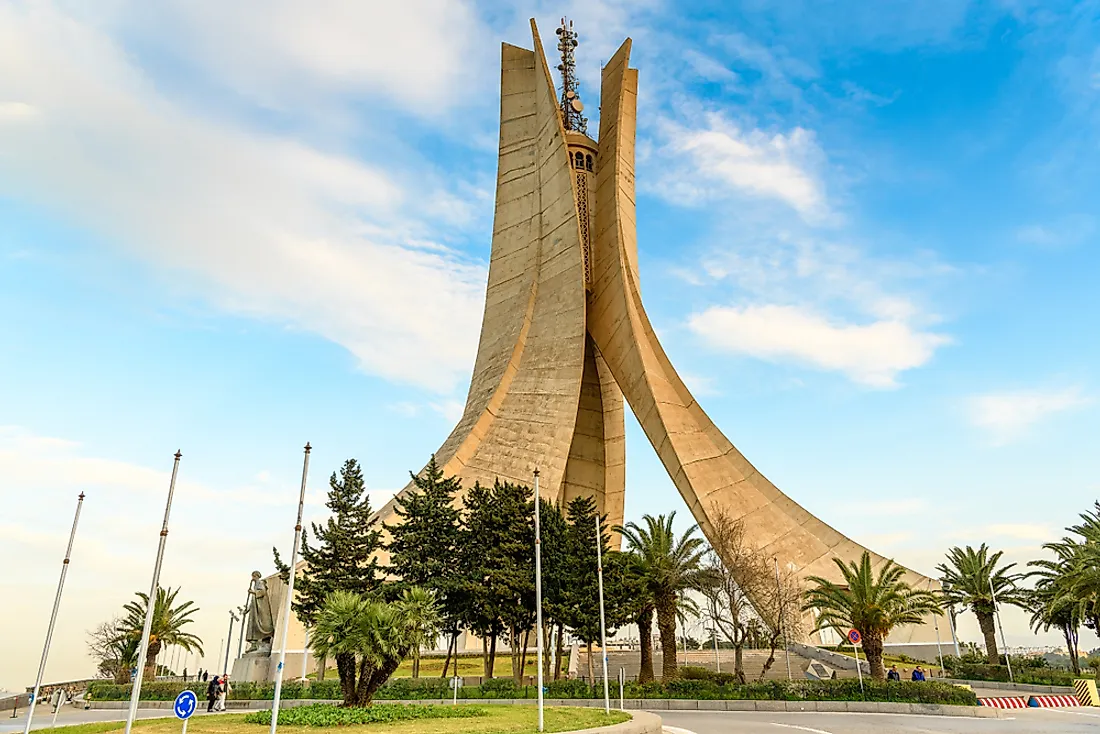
(649, 704)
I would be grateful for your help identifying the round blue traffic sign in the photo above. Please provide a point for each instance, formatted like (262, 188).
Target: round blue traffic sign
(185, 704)
(854, 637)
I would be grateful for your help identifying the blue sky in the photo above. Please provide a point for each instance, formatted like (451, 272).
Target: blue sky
(867, 235)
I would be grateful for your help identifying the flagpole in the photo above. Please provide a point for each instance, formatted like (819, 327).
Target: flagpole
(289, 594)
(1004, 644)
(538, 596)
(53, 616)
(135, 692)
(603, 625)
(779, 617)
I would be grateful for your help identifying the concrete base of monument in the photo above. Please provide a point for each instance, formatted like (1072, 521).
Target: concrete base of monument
(253, 667)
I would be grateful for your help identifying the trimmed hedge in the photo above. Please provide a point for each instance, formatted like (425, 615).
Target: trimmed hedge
(844, 689)
(1038, 676)
(325, 714)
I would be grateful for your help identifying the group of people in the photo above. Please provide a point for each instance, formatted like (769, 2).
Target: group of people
(216, 691)
(893, 674)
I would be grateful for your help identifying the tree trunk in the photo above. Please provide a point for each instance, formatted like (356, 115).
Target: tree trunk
(321, 669)
(591, 675)
(516, 653)
(872, 648)
(1071, 645)
(645, 641)
(451, 643)
(345, 667)
(492, 653)
(560, 652)
(416, 662)
(523, 655)
(371, 679)
(152, 651)
(666, 625)
(985, 621)
(485, 670)
(738, 660)
(773, 643)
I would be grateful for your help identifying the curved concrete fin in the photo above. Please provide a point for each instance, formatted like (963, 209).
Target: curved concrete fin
(708, 471)
(522, 404)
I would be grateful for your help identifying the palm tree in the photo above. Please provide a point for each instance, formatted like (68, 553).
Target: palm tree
(369, 638)
(421, 618)
(873, 605)
(1052, 602)
(972, 579)
(666, 566)
(167, 627)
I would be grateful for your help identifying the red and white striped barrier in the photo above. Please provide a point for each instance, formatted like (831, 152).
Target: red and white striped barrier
(1004, 702)
(1050, 702)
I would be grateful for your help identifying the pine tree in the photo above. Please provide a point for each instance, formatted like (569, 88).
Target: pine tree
(581, 612)
(424, 545)
(496, 554)
(344, 556)
(555, 582)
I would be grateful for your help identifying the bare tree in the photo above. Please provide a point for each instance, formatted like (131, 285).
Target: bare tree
(780, 610)
(114, 652)
(738, 575)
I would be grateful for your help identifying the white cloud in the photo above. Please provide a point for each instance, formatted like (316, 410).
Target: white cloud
(872, 354)
(1062, 233)
(260, 224)
(721, 158)
(1022, 531)
(1007, 416)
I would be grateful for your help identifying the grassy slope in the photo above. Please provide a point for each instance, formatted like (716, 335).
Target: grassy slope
(499, 720)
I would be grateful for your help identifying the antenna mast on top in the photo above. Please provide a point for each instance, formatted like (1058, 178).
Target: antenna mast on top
(571, 105)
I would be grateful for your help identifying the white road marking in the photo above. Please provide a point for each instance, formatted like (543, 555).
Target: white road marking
(676, 730)
(802, 728)
(1073, 713)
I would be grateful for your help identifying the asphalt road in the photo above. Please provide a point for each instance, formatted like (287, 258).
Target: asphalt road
(1035, 721)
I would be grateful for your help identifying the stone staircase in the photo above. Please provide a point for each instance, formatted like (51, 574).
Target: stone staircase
(753, 661)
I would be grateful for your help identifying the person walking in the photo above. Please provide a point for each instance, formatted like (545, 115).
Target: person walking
(918, 674)
(211, 694)
(205, 675)
(892, 674)
(223, 692)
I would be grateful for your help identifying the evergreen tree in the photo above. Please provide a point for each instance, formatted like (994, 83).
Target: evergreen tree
(496, 554)
(556, 568)
(424, 545)
(581, 613)
(344, 556)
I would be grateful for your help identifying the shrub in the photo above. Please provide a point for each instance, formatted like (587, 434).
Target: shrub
(499, 688)
(415, 688)
(570, 689)
(327, 714)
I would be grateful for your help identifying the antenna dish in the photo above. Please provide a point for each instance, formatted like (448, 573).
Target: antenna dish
(577, 105)
(570, 94)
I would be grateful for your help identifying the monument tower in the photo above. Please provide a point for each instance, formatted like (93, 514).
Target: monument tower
(565, 336)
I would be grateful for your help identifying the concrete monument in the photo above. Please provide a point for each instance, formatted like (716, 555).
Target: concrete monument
(565, 337)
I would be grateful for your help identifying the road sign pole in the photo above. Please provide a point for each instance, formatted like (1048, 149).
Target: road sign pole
(855, 638)
(603, 623)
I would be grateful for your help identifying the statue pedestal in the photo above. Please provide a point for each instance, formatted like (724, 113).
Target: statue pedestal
(253, 667)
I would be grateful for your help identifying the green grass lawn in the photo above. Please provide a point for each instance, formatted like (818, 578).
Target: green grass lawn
(498, 720)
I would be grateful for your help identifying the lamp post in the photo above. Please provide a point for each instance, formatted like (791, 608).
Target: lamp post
(603, 622)
(143, 646)
(240, 637)
(538, 602)
(229, 641)
(779, 616)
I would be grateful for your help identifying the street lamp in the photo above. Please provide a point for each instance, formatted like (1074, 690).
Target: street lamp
(229, 641)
